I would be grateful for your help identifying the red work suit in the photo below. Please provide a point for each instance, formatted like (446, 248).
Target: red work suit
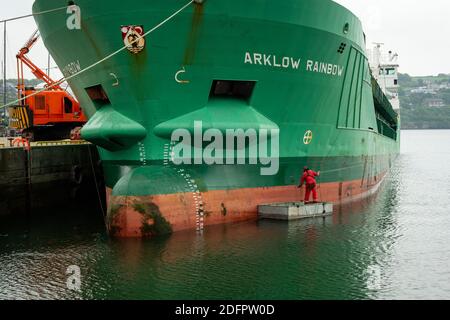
(309, 177)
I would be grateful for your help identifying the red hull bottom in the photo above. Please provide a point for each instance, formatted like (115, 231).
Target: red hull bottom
(144, 216)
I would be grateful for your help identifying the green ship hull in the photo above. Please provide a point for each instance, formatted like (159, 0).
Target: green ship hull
(299, 67)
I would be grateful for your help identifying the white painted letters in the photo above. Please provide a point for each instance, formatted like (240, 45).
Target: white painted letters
(286, 62)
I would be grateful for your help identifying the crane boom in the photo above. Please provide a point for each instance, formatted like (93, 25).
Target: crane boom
(22, 59)
(30, 43)
(39, 74)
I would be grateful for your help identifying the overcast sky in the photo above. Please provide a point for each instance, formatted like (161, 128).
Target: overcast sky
(419, 31)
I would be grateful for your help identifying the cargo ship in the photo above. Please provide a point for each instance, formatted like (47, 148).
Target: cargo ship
(292, 74)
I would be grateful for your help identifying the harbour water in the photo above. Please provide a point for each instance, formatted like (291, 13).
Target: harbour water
(395, 245)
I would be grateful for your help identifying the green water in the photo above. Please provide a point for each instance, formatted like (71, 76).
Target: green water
(393, 246)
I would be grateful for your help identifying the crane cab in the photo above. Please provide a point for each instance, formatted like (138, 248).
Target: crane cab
(47, 115)
(53, 107)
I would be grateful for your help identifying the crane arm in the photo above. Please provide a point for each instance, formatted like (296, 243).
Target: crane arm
(30, 43)
(37, 72)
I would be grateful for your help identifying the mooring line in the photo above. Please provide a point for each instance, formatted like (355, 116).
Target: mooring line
(100, 201)
(34, 14)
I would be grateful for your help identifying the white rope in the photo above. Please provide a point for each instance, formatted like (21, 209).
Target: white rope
(34, 14)
(340, 169)
(102, 60)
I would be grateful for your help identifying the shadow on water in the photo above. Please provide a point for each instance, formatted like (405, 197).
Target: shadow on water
(36, 249)
(55, 213)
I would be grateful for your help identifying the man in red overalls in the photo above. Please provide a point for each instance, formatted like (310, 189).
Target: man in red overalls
(309, 176)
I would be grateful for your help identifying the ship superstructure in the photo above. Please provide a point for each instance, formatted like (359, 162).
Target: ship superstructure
(385, 71)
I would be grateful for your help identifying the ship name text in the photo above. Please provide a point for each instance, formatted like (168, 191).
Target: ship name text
(272, 60)
(286, 62)
(71, 68)
(323, 67)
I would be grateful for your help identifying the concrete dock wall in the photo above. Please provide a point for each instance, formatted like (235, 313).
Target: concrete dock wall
(45, 176)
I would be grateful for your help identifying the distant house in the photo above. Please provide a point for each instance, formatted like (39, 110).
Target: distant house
(434, 103)
(423, 90)
(445, 85)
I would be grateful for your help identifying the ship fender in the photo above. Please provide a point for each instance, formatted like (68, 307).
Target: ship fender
(76, 175)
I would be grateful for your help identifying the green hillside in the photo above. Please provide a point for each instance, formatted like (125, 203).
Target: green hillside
(425, 101)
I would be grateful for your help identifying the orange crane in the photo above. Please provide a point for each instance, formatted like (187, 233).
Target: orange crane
(52, 114)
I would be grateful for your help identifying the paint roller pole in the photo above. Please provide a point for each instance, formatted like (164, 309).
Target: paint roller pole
(49, 62)
(4, 63)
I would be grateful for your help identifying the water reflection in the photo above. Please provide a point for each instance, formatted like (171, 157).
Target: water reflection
(320, 258)
(392, 245)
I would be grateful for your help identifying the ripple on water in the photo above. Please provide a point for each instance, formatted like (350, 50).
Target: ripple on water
(396, 245)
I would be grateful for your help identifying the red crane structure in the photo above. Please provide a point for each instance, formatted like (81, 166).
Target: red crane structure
(48, 115)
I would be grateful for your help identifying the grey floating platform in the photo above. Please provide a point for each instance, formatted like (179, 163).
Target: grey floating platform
(294, 211)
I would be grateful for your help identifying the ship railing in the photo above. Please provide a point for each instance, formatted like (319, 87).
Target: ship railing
(383, 106)
(58, 143)
(5, 145)
(385, 129)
